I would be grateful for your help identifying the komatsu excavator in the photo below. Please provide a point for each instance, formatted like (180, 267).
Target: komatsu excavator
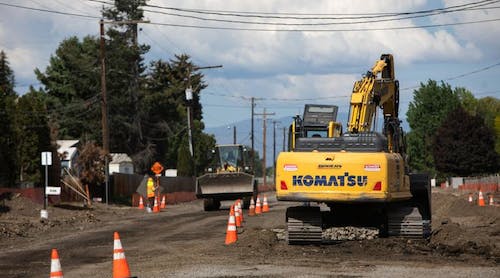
(361, 175)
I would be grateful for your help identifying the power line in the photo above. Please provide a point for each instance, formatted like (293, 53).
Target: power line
(381, 18)
(324, 30)
(48, 11)
(267, 29)
(275, 15)
(458, 76)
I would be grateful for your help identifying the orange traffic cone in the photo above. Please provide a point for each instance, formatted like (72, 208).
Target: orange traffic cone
(470, 198)
(258, 207)
(480, 201)
(241, 211)
(265, 206)
(491, 201)
(120, 265)
(251, 209)
(231, 234)
(163, 202)
(55, 265)
(141, 203)
(237, 215)
(156, 208)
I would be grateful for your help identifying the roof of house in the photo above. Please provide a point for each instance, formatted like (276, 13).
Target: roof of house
(120, 158)
(67, 147)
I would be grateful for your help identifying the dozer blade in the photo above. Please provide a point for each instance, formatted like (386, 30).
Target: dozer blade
(225, 184)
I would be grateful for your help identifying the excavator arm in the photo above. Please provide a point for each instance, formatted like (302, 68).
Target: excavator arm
(372, 91)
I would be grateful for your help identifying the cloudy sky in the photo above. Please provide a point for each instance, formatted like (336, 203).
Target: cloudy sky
(285, 53)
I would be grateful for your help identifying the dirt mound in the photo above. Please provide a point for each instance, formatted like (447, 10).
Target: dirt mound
(20, 217)
(463, 228)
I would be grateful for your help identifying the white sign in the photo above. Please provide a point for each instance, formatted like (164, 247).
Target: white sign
(46, 158)
(53, 190)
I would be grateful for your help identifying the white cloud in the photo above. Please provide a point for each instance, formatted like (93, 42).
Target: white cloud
(264, 64)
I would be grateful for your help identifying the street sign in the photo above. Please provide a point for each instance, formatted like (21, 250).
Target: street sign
(46, 158)
(157, 168)
(53, 190)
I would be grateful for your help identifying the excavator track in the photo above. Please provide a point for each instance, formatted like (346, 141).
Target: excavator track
(408, 222)
(304, 225)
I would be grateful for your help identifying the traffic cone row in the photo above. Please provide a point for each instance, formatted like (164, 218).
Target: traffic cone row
(481, 199)
(120, 264)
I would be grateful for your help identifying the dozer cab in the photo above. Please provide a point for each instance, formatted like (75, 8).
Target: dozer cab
(229, 176)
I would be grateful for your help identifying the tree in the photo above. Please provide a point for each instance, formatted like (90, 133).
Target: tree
(124, 73)
(90, 164)
(164, 113)
(464, 146)
(71, 82)
(8, 164)
(430, 106)
(33, 135)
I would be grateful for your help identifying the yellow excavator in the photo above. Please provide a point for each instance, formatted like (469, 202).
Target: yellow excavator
(361, 175)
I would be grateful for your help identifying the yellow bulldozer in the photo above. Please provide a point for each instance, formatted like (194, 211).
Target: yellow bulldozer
(229, 176)
(361, 175)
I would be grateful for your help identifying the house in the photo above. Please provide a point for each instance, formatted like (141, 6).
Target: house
(121, 163)
(68, 153)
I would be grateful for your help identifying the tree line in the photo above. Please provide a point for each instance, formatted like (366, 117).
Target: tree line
(146, 104)
(452, 132)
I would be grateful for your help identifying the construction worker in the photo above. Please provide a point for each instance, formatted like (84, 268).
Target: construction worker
(150, 186)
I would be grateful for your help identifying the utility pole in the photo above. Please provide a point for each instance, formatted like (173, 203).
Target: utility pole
(274, 150)
(104, 103)
(264, 116)
(189, 98)
(234, 134)
(284, 132)
(251, 135)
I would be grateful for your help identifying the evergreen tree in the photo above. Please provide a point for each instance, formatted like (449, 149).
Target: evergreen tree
(464, 146)
(33, 136)
(124, 73)
(71, 82)
(8, 142)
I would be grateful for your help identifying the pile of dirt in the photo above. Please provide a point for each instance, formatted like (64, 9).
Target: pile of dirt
(460, 230)
(463, 228)
(20, 217)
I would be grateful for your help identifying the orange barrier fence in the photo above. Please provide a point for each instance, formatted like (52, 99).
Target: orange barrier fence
(485, 184)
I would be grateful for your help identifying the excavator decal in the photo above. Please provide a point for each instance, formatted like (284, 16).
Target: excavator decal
(346, 179)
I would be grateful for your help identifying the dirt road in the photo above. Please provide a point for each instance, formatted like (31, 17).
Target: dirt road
(184, 241)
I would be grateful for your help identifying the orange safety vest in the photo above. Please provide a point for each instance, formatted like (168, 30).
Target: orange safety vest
(150, 188)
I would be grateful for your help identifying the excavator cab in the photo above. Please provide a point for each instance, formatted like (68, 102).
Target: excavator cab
(318, 121)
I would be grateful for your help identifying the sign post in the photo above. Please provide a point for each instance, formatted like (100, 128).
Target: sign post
(46, 161)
